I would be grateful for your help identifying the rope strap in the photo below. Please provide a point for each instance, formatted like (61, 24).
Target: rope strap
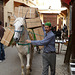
(23, 44)
(36, 34)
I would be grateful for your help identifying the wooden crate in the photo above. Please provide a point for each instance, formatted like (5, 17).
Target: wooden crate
(39, 34)
(21, 12)
(30, 31)
(33, 23)
(8, 34)
(12, 19)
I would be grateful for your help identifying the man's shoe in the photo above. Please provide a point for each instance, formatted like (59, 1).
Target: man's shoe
(0, 61)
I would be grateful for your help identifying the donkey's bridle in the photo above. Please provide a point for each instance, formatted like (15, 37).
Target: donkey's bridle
(21, 32)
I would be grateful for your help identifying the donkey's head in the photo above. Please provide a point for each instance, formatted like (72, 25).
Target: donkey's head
(19, 24)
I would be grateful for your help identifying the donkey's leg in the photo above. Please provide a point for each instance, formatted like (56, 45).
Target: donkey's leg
(31, 56)
(22, 63)
(38, 50)
(28, 65)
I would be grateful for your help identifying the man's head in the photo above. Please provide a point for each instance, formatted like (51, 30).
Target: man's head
(0, 22)
(64, 25)
(43, 24)
(47, 27)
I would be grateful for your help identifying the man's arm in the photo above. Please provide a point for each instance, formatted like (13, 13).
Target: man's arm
(44, 42)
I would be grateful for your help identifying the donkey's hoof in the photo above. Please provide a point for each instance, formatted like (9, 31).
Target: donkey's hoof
(38, 52)
(22, 74)
(28, 72)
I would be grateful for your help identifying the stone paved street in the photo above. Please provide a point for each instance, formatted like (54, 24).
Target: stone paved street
(11, 66)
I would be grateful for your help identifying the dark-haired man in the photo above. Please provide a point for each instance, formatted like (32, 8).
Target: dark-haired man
(49, 51)
(2, 53)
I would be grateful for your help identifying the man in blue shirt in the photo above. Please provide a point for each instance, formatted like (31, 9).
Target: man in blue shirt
(49, 52)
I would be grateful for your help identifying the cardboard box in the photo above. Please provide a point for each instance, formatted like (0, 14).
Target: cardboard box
(8, 34)
(33, 23)
(39, 34)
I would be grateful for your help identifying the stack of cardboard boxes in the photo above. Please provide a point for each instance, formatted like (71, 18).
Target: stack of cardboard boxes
(32, 20)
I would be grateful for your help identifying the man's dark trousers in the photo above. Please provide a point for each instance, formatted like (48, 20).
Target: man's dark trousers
(2, 53)
(49, 59)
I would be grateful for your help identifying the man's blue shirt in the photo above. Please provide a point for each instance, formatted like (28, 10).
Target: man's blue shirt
(48, 42)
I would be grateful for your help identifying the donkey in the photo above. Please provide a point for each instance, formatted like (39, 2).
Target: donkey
(20, 36)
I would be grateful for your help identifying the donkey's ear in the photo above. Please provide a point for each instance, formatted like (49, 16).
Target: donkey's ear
(24, 17)
(25, 14)
(14, 16)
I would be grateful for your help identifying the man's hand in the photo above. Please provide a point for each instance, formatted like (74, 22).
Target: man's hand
(28, 41)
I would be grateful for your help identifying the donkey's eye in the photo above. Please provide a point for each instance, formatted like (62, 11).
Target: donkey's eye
(22, 26)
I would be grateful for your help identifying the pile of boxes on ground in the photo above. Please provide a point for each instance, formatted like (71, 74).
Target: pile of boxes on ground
(33, 24)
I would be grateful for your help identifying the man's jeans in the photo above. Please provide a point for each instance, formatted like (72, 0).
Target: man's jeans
(2, 53)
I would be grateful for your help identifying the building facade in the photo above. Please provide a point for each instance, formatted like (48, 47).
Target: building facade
(46, 10)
